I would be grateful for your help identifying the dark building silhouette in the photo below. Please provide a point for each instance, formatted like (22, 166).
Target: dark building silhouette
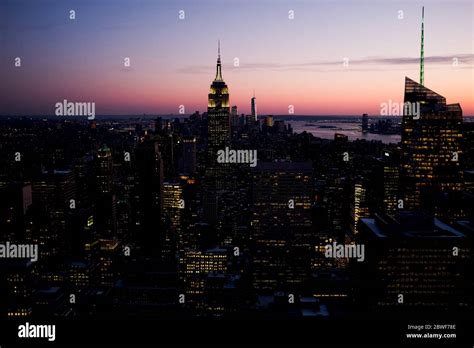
(52, 193)
(148, 195)
(365, 123)
(16, 288)
(253, 107)
(15, 200)
(416, 256)
(281, 225)
(235, 118)
(188, 164)
(106, 207)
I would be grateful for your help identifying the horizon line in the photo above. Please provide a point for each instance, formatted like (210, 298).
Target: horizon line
(188, 115)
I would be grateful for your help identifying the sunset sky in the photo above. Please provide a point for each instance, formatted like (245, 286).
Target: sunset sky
(286, 61)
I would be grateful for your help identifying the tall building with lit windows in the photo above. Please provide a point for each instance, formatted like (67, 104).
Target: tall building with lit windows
(218, 113)
(359, 207)
(205, 262)
(431, 157)
(413, 263)
(173, 205)
(390, 188)
(17, 288)
(281, 225)
(102, 257)
(104, 170)
(431, 170)
(218, 137)
(203, 275)
(52, 193)
(106, 209)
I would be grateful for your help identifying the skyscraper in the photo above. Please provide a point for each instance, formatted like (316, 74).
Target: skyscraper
(281, 225)
(358, 205)
(218, 123)
(390, 187)
(234, 118)
(218, 137)
(172, 210)
(158, 125)
(16, 199)
(365, 123)
(254, 107)
(431, 146)
(148, 194)
(52, 193)
(188, 161)
(430, 163)
(104, 170)
(106, 201)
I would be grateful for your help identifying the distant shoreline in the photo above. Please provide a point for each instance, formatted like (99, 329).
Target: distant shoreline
(278, 117)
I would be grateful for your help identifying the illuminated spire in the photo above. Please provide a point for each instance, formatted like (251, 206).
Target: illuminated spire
(219, 67)
(422, 57)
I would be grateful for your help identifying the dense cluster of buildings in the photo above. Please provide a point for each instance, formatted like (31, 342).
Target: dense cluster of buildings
(136, 217)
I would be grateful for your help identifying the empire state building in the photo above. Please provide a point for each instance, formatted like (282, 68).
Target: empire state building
(218, 137)
(218, 126)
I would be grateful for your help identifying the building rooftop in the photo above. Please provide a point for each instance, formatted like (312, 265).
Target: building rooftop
(370, 223)
(410, 225)
(50, 290)
(283, 166)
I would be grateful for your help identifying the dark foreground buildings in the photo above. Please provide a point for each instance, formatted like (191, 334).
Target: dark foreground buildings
(281, 226)
(414, 263)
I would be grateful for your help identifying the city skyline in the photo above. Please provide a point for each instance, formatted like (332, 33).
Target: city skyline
(172, 70)
(208, 195)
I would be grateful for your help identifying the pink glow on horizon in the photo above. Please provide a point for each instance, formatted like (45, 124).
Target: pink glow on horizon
(297, 62)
